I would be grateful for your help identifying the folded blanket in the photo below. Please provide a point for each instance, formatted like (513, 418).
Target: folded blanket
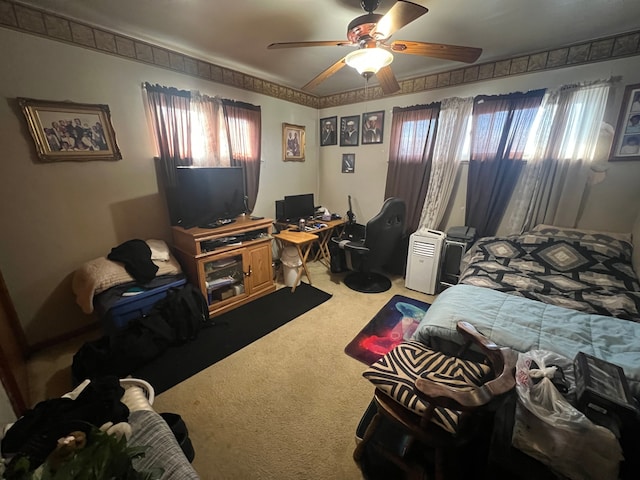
(101, 273)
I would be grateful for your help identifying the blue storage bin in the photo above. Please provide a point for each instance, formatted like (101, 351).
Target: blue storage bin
(116, 310)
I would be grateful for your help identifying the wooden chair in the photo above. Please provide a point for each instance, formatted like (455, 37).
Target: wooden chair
(443, 401)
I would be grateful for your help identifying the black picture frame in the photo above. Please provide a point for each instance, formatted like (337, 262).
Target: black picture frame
(328, 131)
(350, 131)
(348, 162)
(626, 141)
(372, 127)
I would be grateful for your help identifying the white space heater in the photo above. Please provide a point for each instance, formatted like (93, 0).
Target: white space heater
(423, 262)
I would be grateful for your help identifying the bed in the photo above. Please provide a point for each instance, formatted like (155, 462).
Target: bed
(578, 269)
(557, 289)
(524, 325)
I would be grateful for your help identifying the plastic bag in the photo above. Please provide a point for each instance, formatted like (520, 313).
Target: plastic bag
(549, 429)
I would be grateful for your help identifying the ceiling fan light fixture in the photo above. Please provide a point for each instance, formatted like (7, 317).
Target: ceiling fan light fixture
(369, 60)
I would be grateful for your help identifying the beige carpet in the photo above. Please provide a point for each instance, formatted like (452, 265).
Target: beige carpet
(284, 407)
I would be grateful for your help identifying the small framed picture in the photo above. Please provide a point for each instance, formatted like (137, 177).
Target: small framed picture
(328, 131)
(348, 162)
(626, 142)
(67, 131)
(293, 142)
(372, 127)
(349, 131)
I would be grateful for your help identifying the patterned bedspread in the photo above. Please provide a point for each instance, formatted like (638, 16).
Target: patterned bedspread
(585, 271)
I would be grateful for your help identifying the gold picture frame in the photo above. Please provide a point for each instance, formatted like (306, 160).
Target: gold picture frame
(68, 131)
(626, 141)
(293, 142)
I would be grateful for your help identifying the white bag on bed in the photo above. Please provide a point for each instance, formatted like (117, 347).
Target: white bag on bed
(549, 429)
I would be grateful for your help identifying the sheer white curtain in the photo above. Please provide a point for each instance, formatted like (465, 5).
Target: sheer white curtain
(450, 142)
(553, 182)
(209, 144)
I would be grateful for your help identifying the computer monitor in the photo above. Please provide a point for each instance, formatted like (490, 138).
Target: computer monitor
(299, 206)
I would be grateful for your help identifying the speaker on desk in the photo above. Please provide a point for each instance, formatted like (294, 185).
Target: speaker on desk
(279, 210)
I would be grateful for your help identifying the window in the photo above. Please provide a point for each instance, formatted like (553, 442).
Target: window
(415, 139)
(200, 126)
(243, 128)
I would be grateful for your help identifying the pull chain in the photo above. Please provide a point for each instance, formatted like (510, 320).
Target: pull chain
(366, 93)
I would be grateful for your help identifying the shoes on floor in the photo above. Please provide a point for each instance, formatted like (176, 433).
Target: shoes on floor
(180, 431)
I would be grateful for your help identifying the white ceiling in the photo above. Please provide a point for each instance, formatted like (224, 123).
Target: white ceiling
(235, 33)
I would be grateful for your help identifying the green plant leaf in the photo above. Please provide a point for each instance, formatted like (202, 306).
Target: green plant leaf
(105, 457)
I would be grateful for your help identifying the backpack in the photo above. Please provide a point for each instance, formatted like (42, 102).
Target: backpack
(186, 310)
(123, 352)
(176, 318)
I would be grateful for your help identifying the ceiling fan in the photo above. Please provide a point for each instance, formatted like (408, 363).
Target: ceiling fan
(371, 34)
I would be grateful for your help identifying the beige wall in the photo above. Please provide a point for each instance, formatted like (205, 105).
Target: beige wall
(609, 205)
(57, 216)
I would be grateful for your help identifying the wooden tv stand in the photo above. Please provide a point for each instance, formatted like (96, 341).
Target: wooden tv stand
(231, 264)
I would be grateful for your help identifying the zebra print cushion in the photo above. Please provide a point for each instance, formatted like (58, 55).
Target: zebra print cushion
(395, 374)
(448, 380)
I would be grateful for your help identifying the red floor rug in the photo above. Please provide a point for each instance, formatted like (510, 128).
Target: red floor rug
(393, 324)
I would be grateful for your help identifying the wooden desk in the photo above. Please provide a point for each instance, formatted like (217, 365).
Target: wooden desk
(323, 234)
(303, 242)
(324, 237)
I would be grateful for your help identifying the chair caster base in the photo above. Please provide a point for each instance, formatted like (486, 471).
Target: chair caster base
(367, 282)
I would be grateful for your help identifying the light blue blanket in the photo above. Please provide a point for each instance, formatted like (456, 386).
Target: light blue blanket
(524, 325)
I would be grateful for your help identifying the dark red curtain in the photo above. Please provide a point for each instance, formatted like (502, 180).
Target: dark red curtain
(170, 123)
(500, 128)
(244, 127)
(413, 131)
(171, 126)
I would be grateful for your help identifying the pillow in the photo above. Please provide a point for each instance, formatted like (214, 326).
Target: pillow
(573, 232)
(395, 374)
(159, 250)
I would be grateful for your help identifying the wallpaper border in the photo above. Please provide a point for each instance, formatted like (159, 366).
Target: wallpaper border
(39, 22)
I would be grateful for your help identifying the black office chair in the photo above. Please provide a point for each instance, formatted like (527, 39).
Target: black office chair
(366, 256)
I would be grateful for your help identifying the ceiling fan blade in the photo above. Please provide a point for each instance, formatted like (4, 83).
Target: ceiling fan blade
(400, 14)
(328, 43)
(324, 75)
(387, 80)
(437, 50)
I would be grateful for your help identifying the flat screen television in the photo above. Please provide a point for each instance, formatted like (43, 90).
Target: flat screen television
(206, 195)
(299, 206)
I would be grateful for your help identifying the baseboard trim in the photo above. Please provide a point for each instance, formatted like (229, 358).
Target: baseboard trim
(52, 342)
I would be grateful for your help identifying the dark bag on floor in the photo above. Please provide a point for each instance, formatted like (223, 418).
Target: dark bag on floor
(186, 310)
(175, 319)
(139, 342)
